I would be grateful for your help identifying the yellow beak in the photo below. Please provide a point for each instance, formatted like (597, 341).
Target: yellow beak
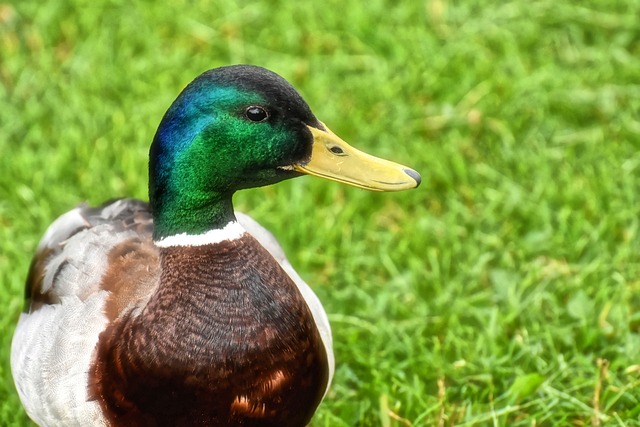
(334, 159)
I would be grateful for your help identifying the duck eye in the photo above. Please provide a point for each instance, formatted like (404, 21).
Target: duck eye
(256, 114)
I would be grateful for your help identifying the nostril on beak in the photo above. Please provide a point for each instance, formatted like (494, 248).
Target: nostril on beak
(413, 174)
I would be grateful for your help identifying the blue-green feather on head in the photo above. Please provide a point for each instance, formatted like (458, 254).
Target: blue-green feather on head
(209, 145)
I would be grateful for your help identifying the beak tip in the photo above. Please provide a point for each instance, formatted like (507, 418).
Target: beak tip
(414, 175)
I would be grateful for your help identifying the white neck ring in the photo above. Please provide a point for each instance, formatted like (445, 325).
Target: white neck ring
(232, 231)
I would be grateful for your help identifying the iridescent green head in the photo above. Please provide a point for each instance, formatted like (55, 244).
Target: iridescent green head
(243, 126)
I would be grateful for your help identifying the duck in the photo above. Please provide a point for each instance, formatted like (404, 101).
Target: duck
(180, 311)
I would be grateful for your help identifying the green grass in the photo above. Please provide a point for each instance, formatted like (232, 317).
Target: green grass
(503, 292)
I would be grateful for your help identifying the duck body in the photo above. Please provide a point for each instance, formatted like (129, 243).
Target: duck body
(212, 345)
(183, 312)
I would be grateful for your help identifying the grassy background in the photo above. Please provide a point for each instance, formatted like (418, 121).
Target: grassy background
(504, 291)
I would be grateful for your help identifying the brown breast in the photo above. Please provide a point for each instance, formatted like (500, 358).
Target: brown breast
(227, 339)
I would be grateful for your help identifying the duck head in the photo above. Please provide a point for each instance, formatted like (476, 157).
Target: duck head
(243, 126)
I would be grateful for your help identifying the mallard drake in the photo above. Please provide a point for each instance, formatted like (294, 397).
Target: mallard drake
(182, 311)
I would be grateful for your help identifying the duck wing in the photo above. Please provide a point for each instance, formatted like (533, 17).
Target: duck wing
(70, 299)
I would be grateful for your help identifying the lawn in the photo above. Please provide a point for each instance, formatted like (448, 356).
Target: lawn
(505, 291)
